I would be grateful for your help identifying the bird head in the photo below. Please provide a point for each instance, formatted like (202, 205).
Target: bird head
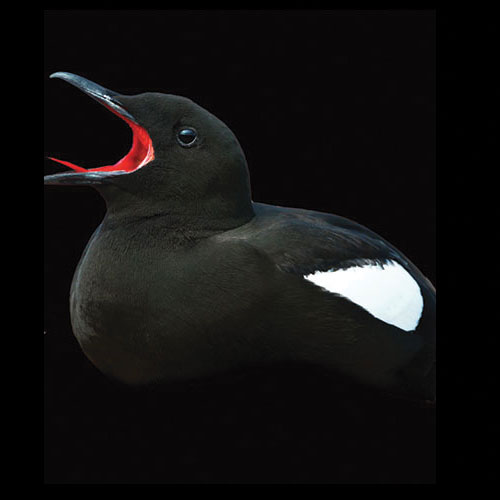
(183, 161)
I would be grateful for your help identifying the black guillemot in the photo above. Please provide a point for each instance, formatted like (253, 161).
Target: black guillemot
(186, 276)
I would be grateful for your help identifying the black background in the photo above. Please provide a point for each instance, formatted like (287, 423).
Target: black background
(336, 112)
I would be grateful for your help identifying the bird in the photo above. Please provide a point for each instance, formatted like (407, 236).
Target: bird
(187, 276)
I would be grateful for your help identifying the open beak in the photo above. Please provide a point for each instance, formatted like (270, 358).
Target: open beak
(140, 154)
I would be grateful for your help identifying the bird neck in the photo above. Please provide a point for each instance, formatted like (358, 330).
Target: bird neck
(210, 216)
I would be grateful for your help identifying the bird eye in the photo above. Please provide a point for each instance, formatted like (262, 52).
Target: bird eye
(186, 136)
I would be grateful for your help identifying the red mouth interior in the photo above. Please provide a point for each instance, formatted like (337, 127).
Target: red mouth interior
(140, 153)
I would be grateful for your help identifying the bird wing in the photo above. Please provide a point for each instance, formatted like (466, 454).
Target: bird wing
(316, 256)
(319, 247)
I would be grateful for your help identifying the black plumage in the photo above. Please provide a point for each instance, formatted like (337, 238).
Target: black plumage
(187, 277)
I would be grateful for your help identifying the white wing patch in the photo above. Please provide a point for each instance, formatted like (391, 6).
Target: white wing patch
(389, 293)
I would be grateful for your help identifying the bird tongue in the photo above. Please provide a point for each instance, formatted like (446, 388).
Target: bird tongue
(68, 164)
(140, 153)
